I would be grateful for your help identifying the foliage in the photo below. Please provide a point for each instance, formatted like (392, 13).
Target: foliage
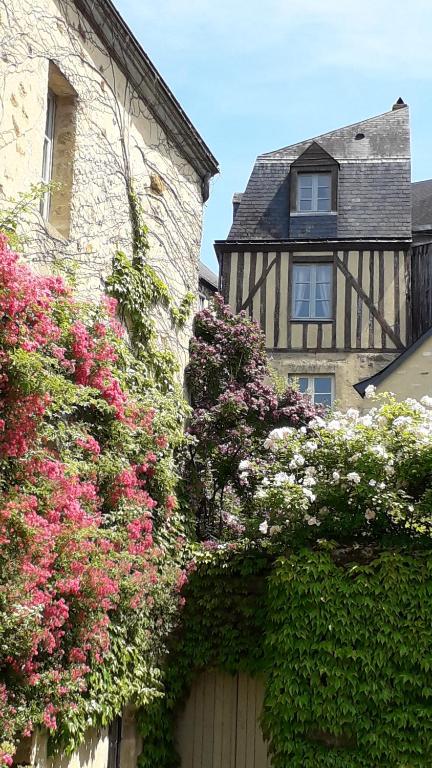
(349, 476)
(138, 289)
(350, 650)
(91, 538)
(235, 404)
(15, 209)
(344, 649)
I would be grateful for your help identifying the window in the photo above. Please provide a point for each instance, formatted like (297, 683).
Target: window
(58, 151)
(48, 151)
(319, 388)
(314, 192)
(312, 291)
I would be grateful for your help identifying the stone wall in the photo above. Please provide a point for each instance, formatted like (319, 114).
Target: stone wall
(105, 136)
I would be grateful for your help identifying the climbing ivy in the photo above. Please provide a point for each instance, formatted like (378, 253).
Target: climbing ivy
(139, 290)
(344, 646)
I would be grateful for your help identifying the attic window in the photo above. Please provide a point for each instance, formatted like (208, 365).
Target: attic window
(314, 192)
(359, 136)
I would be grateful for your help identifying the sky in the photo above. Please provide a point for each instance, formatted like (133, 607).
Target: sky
(257, 75)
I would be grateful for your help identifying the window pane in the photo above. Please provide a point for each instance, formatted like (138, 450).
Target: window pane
(305, 205)
(323, 400)
(305, 180)
(302, 309)
(323, 205)
(303, 384)
(324, 273)
(302, 273)
(323, 385)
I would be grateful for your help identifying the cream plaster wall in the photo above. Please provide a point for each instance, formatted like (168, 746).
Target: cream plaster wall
(115, 137)
(94, 752)
(413, 377)
(347, 368)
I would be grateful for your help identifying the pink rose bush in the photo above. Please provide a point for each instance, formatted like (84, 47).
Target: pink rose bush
(90, 555)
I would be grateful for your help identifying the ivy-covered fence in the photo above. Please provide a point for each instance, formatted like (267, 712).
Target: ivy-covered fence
(343, 638)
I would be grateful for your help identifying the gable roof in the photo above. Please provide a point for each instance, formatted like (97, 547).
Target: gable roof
(377, 378)
(132, 60)
(314, 154)
(422, 205)
(208, 276)
(375, 182)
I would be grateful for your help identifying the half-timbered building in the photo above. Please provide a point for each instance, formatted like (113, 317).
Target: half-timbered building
(319, 254)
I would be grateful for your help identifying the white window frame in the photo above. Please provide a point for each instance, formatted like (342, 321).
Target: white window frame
(313, 268)
(312, 378)
(314, 202)
(48, 153)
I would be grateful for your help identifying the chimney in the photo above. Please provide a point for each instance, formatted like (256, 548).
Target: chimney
(237, 197)
(399, 104)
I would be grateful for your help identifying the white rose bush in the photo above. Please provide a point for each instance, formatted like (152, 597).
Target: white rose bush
(346, 476)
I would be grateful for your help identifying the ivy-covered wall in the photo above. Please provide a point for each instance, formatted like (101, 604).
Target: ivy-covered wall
(344, 640)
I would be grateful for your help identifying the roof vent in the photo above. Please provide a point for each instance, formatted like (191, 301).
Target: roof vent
(359, 136)
(399, 104)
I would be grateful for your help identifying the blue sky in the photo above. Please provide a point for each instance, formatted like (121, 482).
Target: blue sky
(256, 75)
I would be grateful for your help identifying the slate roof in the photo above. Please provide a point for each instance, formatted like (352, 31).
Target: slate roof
(422, 205)
(374, 183)
(208, 276)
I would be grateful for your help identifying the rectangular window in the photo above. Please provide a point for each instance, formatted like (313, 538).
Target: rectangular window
(319, 388)
(48, 153)
(312, 291)
(313, 192)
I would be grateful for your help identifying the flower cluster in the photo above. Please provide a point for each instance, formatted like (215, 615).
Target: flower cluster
(89, 534)
(349, 474)
(235, 403)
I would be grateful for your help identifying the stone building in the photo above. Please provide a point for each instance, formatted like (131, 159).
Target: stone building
(320, 254)
(84, 109)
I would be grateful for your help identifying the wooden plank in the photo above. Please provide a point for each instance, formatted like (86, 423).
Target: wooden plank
(381, 289)
(256, 305)
(403, 278)
(396, 288)
(347, 308)
(198, 723)
(277, 300)
(218, 723)
(225, 273)
(233, 282)
(283, 331)
(251, 724)
(381, 320)
(241, 722)
(252, 279)
(289, 308)
(305, 335)
(270, 289)
(319, 341)
(239, 285)
(371, 295)
(209, 680)
(359, 300)
(340, 307)
(334, 300)
(263, 292)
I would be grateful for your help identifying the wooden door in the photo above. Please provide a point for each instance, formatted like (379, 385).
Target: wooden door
(219, 726)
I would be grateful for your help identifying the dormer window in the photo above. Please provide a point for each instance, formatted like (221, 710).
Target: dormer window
(313, 192)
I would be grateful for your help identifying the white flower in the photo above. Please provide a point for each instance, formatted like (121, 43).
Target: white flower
(317, 422)
(370, 514)
(336, 475)
(370, 391)
(297, 461)
(245, 464)
(333, 425)
(310, 471)
(379, 450)
(303, 430)
(265, 482)
(353, 477)
(352, 413)
(381, 486)
(263, 527)
(308, 481)
(426, 401)
(274, 530)
(260, 493)
(309, 495)
(312, 520)
(372, 483)
(366, 421)
(281, 477)
(310, 445)
(402, 421)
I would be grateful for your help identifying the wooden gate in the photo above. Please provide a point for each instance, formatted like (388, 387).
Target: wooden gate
(219, 726)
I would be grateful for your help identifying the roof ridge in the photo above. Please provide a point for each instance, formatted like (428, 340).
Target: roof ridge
(327, 133)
